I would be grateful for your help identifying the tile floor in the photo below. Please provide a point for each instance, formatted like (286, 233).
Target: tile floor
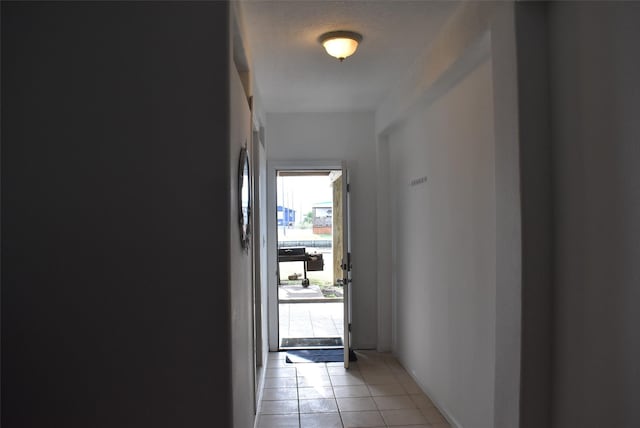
(374, 392)
(311, 319)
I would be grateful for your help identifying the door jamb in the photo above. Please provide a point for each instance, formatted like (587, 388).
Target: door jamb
(272, 236)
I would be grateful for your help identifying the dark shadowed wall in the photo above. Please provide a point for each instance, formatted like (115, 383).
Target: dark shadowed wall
(595, 64)
(536, 212)
(115, 196)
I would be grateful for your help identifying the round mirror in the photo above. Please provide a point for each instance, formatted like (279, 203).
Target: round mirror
(244, 197)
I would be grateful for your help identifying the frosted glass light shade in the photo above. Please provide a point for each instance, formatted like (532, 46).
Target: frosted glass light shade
(340, 44)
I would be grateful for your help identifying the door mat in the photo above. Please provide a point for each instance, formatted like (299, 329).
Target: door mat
(318, 356)
(308, 342)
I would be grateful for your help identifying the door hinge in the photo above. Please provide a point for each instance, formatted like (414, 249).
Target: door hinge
(349, 327)
(346, 263)
(348, 187)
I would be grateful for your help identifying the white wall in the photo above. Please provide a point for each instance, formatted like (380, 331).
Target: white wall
(261, 248)
(444, 247)
(456, 239)
(242, 362)
(595, 64)
(349, 137)
(536, 213)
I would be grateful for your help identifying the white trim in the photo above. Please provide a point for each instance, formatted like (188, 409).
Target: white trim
(385, 291)
(464, 26)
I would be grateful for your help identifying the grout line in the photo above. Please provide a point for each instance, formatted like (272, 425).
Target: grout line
(333, 391)
(384, 363)
(298, 398)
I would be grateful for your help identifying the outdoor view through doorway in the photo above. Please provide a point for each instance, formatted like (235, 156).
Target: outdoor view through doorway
(310, 247)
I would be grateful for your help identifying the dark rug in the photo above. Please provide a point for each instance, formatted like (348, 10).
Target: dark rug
(318, 356)
(308, 342)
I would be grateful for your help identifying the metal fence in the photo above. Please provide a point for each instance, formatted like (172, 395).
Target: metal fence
(311, 243)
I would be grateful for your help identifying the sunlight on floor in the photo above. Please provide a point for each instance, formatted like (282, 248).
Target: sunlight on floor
(374, 392)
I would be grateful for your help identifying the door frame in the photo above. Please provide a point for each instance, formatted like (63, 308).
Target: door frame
(258, 233)
(346, 263)
(272, 233)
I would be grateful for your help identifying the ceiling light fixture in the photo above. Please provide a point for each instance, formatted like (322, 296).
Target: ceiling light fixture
(340, 44)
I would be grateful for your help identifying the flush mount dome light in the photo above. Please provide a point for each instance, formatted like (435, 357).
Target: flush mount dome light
(340, 44)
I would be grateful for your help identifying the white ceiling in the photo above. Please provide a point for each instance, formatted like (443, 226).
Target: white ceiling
(292, 71)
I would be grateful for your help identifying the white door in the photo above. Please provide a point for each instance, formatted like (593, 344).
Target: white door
(346, 263)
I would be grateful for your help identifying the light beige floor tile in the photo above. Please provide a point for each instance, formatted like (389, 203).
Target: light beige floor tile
(313, 372)
(369, 357)
(346, 380)
(379, 379)
(341, 371)
(375, 381)
(403, 417)
(318, 405)
(394, 402)
(278, 364)
(315, 392)
(356, 404)
(385, 390)
(355, 374)
(395, 365)
(280, 382)
(372, 365)
(377, 370)
(422, 401)
(418, 426)
(433, 415)
(279, 421)
(311, 369)
(398, 370)
(279, 407)
(371, 353)
(411, 387)
(320, 420)
(276, 356)
(281, 372)
(351, 391)
(362, 419)
(271, 394)
(404, 378)
(313, 381)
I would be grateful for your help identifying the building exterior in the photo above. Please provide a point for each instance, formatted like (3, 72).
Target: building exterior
(286, 216)
(322, 218)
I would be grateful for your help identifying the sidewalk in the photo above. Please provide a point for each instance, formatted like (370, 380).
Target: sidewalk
(311, 320)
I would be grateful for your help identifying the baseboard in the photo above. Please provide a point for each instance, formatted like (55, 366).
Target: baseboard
(261, 379)
(450, 419)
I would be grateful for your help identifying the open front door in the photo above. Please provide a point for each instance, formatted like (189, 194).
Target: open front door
(346, 263)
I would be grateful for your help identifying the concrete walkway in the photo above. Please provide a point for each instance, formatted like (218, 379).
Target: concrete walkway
(293, 292)
(310, 320)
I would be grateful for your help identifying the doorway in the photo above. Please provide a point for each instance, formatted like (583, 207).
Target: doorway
(310, 252)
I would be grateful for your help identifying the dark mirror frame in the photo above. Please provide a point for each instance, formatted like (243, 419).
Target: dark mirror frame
(244, 199)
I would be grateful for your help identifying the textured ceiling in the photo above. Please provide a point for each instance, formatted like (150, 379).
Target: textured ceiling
(293, 73)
